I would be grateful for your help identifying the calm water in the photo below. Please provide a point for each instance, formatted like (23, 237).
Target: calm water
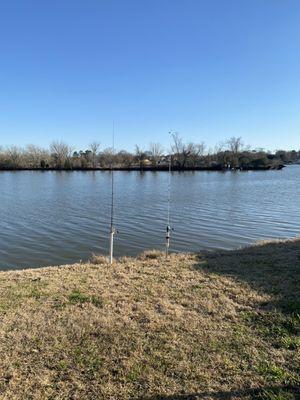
(49, 218)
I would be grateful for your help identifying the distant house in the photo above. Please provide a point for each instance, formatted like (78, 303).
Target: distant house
(147, 162)
(164, 160)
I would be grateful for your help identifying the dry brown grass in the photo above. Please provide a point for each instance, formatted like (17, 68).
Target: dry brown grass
(214, 325)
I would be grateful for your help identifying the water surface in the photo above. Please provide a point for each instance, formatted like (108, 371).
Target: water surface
(50, 218)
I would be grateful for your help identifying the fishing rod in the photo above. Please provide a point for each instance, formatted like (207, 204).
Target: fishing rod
(168, 228)
(112, 228)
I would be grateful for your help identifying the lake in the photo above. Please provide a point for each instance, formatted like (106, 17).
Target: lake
(58, 217)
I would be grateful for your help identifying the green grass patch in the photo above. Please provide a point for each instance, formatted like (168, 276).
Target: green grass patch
(279, 328)
(77, 297)
(271, 372)
(274, 373)
(278, 394)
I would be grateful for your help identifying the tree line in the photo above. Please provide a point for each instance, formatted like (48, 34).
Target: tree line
(231, 154)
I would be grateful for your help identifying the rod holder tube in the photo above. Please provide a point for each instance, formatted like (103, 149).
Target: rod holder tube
(111, 245)
(168, 236)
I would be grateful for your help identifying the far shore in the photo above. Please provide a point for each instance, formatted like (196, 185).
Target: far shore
(153, 169)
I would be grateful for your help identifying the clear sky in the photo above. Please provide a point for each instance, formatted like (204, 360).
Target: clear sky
(207, 69)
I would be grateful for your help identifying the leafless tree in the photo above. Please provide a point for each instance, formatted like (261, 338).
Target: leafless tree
(235, 146)
(107, 157)
(180, 151)
(2, 157)
(125, 158)
(61, 154)
(220, 154)
(15, 156)
(94, 146)
(155, 151)
(140, 156)
(219, 147)
(183, 153)
(196, 153)
(35, 156)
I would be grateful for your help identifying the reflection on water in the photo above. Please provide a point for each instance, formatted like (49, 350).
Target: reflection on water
(60, 217)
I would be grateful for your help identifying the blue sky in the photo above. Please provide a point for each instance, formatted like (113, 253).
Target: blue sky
(207, 69)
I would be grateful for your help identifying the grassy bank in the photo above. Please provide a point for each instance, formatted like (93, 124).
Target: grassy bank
(207, 326)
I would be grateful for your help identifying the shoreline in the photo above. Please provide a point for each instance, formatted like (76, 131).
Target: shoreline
(102, 259)
(146, 169)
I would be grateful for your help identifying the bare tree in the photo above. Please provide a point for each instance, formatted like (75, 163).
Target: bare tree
(140, 156)
(61, 154)
(94, 146)
(107, 157)
(235, 146)
(220, 154)
(219, 147)
(35, 157)
(196, 153)
(15, 156)
(125, 158)
(2, 157)
(155, 151)
(180, 150)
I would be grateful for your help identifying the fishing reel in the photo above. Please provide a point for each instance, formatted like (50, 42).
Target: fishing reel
(113, 230)
(168, 236)
(168, 232)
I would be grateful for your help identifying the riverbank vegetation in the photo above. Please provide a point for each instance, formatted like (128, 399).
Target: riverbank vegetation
(231, 154)
(195, 326)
